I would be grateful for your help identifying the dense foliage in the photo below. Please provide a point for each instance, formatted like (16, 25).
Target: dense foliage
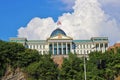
(30, 61)
(8, 55)
(100, 66)
(106, 66)
(72, 68)
(45, 69)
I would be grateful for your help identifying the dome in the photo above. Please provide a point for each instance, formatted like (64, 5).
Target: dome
(57, 31)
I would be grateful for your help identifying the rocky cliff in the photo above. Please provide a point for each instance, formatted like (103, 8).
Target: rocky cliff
(16, 74)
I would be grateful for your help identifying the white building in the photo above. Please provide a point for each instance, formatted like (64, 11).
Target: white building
(60, 44)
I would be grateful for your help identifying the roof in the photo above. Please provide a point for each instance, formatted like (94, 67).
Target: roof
(99, 38)
(57, 31)
(40, 41)
(82, 40)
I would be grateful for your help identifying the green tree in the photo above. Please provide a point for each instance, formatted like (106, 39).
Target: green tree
(27, 57)
(72, 68)
(105, 65)
(8, 54)
(45, 69)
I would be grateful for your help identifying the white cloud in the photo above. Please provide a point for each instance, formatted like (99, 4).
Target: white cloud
(87, 20)
(37, 28)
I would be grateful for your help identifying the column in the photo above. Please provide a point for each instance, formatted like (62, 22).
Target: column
(66, 48)
(35, 46)
(42, 47)
(29, 46)
(53, 48)
(85, 49)
(106, 46)
(99, 47)
(103, 47)
(32, 46)
(38, 46)
(57, 48)
(70, 47)
(62, 48)
(93, 47)
(48, 49)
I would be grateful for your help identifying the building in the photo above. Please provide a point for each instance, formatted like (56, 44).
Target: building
(60, 44)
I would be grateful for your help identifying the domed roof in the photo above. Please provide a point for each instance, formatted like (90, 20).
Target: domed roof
(57, 31)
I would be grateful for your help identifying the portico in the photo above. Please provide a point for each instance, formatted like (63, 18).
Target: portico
(60, 48)
(59, 43)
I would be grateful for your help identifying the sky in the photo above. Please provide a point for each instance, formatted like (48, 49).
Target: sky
(81, 19)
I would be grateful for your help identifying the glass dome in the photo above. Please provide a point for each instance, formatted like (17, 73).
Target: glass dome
(57, 31)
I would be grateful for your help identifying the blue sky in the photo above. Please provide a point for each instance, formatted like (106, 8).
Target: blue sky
(17, 13)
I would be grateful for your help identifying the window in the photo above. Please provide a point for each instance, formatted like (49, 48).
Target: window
(106, 45)
(83, 46)
(97, 45)
(101, 45)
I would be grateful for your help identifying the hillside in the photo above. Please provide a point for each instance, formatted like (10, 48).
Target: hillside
(18, 62)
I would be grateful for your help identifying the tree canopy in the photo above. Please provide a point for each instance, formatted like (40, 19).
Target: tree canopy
(100, 66)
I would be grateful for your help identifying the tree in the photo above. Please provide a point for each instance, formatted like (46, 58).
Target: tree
(8, 54)
(45, 69)
(105, 65)
(72, 68)
(27, 57)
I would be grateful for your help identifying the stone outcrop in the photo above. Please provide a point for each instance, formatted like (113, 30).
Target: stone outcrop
(118, 78)
(58, 59)
(16, 74)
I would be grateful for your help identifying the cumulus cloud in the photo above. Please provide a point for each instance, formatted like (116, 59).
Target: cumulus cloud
(88, 20)
(37, 28)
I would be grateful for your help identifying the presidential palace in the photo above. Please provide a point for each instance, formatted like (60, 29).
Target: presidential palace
(59, 43)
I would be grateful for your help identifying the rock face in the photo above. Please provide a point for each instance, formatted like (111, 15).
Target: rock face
(14, 74)
(58, 59)
(118, 78)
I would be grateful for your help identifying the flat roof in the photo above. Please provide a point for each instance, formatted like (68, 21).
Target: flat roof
(82, 40)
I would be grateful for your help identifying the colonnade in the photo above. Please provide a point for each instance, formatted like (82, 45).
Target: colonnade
(60, 48)
(102, 47)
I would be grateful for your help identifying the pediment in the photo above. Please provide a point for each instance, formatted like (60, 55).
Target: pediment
(60, 37)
